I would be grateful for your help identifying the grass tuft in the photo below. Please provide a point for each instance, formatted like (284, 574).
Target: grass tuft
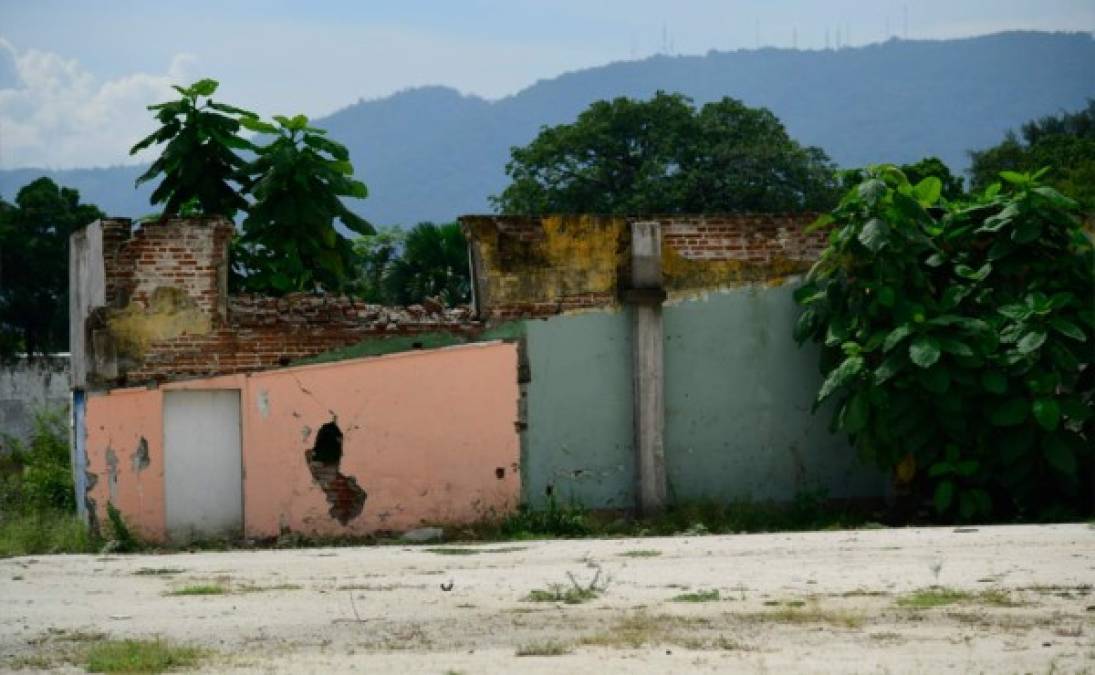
(547, 648)
(199, 589)
(570, 595)
(641, 553)
(938, 596)
(140, 656)
(454, 550)
(698, 596)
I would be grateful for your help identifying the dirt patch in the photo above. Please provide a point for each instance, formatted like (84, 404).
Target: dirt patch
(898, 601)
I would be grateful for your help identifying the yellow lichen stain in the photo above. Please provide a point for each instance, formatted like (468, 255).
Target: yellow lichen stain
(575, 255)
(170, 313)
(684, 277)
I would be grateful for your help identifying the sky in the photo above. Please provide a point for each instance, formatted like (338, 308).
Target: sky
(75, 75)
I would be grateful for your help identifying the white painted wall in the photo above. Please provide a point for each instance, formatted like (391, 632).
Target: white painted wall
(27, 386)
(203, 465)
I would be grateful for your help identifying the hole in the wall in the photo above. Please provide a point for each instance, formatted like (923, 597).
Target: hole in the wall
(416, 345)
(328, 448)
(549, 490)
(500, 473)
(284, 361)
(345, 497)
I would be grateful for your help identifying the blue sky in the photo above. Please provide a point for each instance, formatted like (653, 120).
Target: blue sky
(75, 75)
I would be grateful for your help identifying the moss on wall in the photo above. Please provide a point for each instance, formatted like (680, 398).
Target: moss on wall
(170, 313)
(554, 257)
(684, 277)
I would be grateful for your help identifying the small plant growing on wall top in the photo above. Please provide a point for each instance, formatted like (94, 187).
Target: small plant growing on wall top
(199, 163)
(956, 341)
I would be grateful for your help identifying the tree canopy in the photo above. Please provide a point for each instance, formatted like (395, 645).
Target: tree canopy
(665, 156)
(402, 267)
(1065, 142)
(955, 341)
(199, 161)
(288, 240)
(34, 235)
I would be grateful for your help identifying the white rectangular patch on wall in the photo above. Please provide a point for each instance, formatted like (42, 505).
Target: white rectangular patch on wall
(203, 465)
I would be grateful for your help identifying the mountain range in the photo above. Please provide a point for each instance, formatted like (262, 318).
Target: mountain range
(431, 153)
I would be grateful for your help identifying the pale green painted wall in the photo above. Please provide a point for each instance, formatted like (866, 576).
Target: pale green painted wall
(738, 392)
(579, 415)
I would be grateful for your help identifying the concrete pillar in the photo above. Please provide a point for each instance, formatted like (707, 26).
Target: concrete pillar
(646, 295)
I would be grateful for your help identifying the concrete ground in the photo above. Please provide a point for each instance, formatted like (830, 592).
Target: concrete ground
(1017, 599)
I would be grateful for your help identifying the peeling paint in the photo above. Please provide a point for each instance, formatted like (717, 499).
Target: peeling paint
(263, 403)
(170, 313)
(112, 474)
(140, 458)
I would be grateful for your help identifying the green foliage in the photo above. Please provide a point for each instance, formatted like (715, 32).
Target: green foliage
(34, 235)
(37, 476)
(397, 267)
(121, 539)
(1065, 142)
(699, 596)
(433, 263)
(289, 241)
(554, 521)
(951, 187)
(140, 656)
(199, 161)
(42, 532)
(956, 341)
(663, 156)
(375, 253)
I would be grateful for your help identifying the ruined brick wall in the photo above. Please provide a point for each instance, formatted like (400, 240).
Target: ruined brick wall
(187, 254)
(264, 332)
(167, 314)
(751, 237)
(536, 267)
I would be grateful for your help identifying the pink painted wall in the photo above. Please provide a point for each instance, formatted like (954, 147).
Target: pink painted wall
(425, 434)
(116, 423)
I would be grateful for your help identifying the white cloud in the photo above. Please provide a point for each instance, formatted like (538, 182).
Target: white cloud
(59, 115)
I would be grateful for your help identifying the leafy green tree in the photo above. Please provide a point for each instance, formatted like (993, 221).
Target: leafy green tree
(375, 253)
(288, 240)
(34, 266)
(952, 189)
(956, 341)
(199, 161)
(952, 186)
(1065, 142)
(432, 264)
(663, 156)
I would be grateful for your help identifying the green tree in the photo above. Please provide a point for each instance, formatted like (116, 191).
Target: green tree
(199, 161)
(956, 341)
(375, 253)
(34, 266)
(432, 264)
(663, 156)
(952, 186)
(288, 241)
(1065, 142)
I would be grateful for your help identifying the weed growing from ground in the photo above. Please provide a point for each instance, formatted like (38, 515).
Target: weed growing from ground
(548, 648)
(140, 656)
(199, 589)
(698, 596)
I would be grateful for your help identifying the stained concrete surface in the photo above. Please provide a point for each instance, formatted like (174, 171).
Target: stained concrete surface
(824, 602)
